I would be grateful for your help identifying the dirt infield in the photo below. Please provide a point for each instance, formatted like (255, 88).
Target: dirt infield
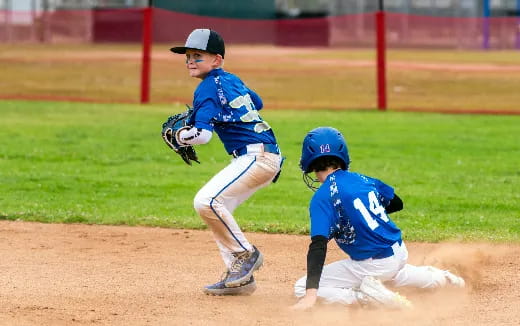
(115, 275)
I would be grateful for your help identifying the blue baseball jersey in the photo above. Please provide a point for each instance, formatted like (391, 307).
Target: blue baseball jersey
(350, 208)
(224, 104)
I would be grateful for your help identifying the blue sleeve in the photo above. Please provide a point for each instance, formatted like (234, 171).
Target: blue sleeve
(320, 211)
(386, 192)
(206, 105)
(257, 101)
(204, 113)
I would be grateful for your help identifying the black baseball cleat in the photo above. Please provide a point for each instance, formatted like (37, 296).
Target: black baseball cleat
(220, 288)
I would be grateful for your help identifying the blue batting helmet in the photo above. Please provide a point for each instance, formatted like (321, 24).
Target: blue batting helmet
(323, 141)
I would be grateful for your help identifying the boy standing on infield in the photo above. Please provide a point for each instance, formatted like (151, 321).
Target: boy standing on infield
(224, 104)
(353, 209)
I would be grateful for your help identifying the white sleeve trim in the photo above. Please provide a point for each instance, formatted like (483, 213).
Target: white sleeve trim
(194, 136)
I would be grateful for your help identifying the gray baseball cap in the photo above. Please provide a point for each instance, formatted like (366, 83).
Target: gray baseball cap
(205, 40)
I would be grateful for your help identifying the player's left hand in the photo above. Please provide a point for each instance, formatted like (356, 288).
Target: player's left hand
(170, 130)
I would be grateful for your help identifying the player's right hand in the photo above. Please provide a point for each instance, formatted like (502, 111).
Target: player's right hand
(307, 301)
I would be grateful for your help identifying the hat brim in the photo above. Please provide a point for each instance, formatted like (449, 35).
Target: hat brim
(179, 49)
(182, 50)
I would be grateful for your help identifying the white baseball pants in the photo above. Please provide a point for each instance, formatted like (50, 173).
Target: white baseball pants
(340, 280)
(218, 198)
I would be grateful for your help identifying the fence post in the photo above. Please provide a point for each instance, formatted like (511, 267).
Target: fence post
(486, 12)
(8, 12)
(381, 57)
(518, 24)
(146, 49)
(34, 37)
(44, 30)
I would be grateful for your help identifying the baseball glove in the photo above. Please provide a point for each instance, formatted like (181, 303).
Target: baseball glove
(169, 129)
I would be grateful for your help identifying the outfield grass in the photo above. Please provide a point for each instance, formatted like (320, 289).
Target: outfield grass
(99, 163)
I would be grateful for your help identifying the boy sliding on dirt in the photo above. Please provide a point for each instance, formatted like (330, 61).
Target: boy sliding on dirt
(353, 209)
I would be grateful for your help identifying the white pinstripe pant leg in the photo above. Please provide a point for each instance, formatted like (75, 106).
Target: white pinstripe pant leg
(218, 198)
(419, 276)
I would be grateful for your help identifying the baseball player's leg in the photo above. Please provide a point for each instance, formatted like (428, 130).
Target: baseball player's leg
(337, 284)
(217, 200)
(340, 281)
(426, 277)
(328, 294)
(349, 281)
(423, 276)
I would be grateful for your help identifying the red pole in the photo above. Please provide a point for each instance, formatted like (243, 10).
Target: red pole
(8, 11)
(381, 60)
(145, 65)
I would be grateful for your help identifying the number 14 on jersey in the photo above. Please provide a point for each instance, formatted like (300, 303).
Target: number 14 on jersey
(375, 207)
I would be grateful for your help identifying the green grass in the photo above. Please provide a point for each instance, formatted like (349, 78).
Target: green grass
(99, 163)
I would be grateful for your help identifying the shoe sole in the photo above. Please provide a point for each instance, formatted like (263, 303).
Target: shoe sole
(245, 278)
(240, 290)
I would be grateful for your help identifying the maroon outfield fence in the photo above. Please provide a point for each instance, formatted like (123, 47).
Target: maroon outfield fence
(354, 30)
